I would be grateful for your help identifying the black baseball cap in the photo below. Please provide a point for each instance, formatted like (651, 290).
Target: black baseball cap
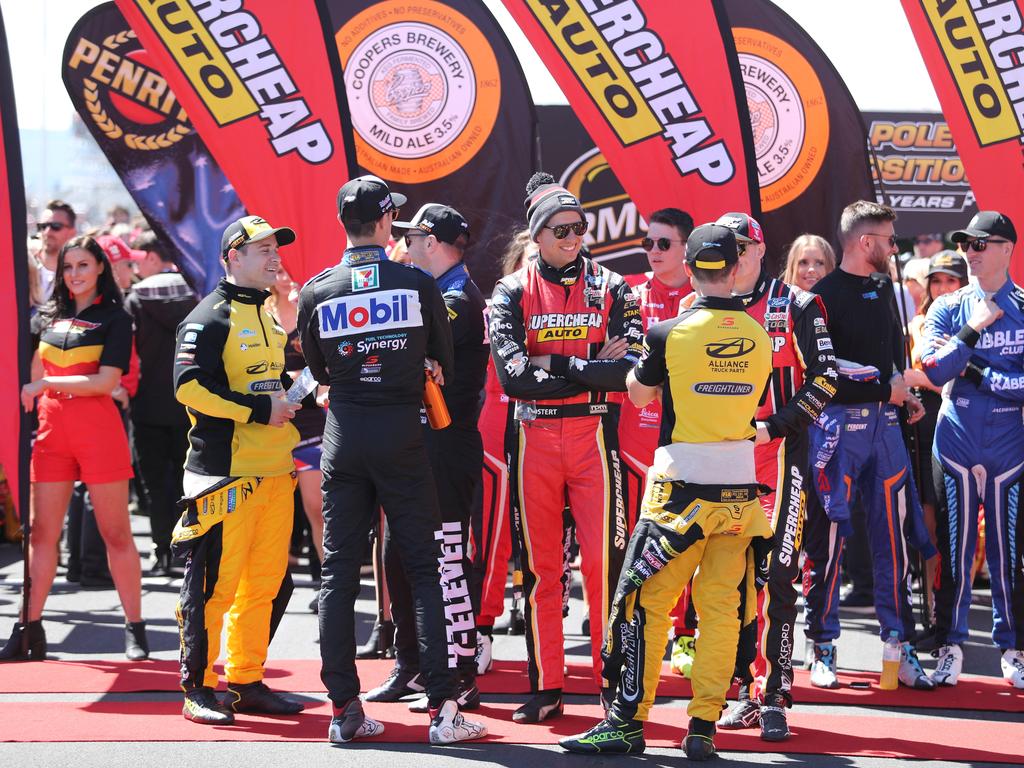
(367, 198)
(249, 229)
(711, 246)
(743, 225)
(441, 221)
(986, 224)
(948, 263)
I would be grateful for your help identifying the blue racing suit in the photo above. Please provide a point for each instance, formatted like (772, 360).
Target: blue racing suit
(979, 446)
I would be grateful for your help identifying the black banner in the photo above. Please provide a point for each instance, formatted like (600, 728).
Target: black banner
(918, 171)
(442, 111)
(148, 139)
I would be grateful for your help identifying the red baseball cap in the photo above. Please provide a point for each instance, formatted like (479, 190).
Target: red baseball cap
(118, 250)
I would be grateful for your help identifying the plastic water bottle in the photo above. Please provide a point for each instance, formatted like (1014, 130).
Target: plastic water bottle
(304, 383)
(891, 652)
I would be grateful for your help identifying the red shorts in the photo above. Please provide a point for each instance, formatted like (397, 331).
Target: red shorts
(80, 438)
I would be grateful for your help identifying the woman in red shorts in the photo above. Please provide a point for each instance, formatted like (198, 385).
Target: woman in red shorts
(84, 347)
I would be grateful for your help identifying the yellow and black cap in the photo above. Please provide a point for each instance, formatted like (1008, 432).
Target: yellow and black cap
(948, 263)
(249, 229)
(711, 246)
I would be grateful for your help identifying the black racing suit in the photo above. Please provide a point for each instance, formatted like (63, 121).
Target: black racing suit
(367, 325)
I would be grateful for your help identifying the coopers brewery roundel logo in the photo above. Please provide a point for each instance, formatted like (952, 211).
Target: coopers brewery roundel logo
(423, 88)
(788, 114)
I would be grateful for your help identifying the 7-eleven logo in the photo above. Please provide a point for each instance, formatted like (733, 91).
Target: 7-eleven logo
(364, 278)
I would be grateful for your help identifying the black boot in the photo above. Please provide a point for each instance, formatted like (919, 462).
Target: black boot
(699, 743)
(382, 636)
(36, 643)
(136, 646)
(541, 706)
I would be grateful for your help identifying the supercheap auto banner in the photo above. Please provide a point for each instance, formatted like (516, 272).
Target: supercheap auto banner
(144, 132)
(14, 312)
(974, 52)
(657, 88)
(260, 87)
(918, 172)
(442, 111)
(809, 136)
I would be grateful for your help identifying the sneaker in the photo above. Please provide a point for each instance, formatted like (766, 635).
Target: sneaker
(483, 652)
(201, 706)
(468, 698)
(745, 713)
(447, 725)
(257, 697)
(1013, 667)
(399, 684)
(911, 674)
(541, 706)
(773, 719)
(683, 651)
(350, 723)
(951, 663)
(823, 668)
(699, 743)
(611, 736)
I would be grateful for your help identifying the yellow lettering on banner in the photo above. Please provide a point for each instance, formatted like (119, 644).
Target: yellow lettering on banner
(203, 63)
(598, 70)
(974, 71)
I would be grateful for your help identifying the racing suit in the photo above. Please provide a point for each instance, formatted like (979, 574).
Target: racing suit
(857, 447)
(366, 326)
(239, 481)
(700, 506)
(564, 446)
(979, 447)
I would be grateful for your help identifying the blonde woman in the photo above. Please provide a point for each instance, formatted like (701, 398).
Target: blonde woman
(810, 258)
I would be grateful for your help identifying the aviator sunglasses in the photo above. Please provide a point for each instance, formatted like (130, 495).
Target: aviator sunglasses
(561, 231)
(981, 243)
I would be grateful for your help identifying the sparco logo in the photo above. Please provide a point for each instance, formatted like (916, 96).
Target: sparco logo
(727, 348)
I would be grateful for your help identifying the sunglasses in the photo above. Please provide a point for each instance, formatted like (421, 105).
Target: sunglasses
(981, 243)
(890, 238)
(409, 237)
(561, 231)
(663, 243)
(56, 226)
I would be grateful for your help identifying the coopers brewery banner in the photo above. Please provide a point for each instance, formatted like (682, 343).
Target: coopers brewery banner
(974, 52)
(656, 87)
(441, 110)
(146, 135)
(260, 87)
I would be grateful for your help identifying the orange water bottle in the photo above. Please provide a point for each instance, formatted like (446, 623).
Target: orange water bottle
(891, 652)
(435, 406)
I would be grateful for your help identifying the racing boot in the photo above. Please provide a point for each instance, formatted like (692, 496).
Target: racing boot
(349, 722)
(447, 725)
(699, 743)
(773, 718)
(257, 697)
(398, 684)
(483, 650)
(541, 706)
(683, 652)
(136, 646)
(468, 697)
(201, 706)
(36, 643)
(911, 674)
(745, 713)
(613, 735)
(823, 668)
(1012, 664)
(381, 636)
(951, 663)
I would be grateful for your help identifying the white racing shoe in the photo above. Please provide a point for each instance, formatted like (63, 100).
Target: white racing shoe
(447, 725)
(951, 663)
(1013, 667)
(823, 668)
(351, 723)
(911, 674)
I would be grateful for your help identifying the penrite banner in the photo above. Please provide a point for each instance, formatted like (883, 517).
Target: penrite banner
(918, 172)
(975, 55)
(15, 424)
(148, 139)
(260, 88)
(442, 111)
(657, 91)
(809, 136)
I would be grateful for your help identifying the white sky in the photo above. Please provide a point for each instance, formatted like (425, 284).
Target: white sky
(869, 41)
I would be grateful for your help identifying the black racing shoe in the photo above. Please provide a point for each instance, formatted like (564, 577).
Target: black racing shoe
(745, 713)
(773, 719)
(257, 697)
(611, 736)
(201, 706)
(136, 645)
(350, 723)
(699, 742)
(399, 684)
(468, 698)
(541, 706)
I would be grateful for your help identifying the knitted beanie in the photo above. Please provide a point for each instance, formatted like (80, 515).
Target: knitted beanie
(544, 198)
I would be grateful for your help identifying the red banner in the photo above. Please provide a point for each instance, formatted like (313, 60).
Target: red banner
(259, 86)
(660, 93)
(975, 56)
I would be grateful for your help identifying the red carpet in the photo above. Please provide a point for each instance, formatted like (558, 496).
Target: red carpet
(930, 738)
(973, 692)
